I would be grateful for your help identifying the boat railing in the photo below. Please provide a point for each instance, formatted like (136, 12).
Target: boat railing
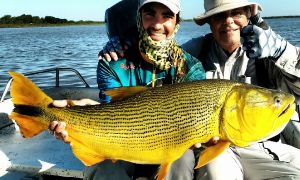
(57, 78)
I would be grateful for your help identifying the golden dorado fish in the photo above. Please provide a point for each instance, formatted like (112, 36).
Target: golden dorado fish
(157, 125)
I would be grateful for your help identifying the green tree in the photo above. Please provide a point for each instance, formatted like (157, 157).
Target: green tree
(24, 19)
(37, 20)
(7, 19)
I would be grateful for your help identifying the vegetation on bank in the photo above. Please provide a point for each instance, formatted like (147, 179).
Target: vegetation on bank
(267, 17)
(32, 21)
(278, 17)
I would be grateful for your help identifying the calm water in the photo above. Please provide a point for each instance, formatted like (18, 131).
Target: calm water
(31, 49)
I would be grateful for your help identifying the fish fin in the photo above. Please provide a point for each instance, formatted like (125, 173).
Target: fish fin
(25, 92)
(29, 126)
(121, 93)
(163, 170)
(212, 152)
(28, 100)
(84, 154)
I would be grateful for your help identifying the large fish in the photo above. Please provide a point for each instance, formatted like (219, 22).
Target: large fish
(156, 126)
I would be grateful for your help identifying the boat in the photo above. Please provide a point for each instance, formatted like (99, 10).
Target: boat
(44, 157)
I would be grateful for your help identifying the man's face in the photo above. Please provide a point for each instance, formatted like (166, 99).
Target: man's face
(226, 27)
(158, 20)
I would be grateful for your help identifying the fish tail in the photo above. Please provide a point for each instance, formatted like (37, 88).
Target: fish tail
(30, 102)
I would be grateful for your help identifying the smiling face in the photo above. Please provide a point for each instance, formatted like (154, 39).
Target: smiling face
(158, 20)
(226, 27)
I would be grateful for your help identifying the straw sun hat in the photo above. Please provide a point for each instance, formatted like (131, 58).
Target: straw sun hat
(213, 7)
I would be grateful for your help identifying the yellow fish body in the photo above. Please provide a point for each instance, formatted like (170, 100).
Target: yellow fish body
(156, 126)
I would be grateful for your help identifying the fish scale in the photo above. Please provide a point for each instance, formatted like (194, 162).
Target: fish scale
(175, 121)
(156, 126)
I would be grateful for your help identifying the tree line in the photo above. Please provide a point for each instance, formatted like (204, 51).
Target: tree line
(29, 19)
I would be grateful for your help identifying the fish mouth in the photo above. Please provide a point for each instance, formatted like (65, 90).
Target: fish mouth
(285, 110)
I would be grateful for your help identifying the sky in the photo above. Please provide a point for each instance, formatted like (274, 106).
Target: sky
(94, 9)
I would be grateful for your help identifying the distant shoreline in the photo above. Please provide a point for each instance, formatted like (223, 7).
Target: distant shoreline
(47, 25)
(279, 17)
(8, 21)
(82, 23)
(267, 17)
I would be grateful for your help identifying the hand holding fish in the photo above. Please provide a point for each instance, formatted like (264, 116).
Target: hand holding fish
(58, 128)
(81, 102)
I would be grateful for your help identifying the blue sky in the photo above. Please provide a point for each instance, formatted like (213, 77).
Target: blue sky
(94, 9)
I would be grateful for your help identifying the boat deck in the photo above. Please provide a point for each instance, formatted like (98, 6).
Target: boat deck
(40, 155)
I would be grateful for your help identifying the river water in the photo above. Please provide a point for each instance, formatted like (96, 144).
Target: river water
(31, 49)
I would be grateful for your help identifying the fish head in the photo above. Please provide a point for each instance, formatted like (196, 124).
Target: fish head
(252, 114)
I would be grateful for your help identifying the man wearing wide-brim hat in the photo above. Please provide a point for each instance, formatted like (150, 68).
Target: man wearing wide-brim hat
(244, 48)
(215, 7)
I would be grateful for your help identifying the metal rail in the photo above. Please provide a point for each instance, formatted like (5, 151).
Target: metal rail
(57, 82)
(57, 79)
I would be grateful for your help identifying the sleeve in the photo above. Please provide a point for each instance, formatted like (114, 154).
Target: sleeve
(106, 79)
(289, 61)
(195, 70)
(286, 73)
(288, 83)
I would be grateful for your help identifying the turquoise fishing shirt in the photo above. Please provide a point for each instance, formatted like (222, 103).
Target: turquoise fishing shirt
(134, 71)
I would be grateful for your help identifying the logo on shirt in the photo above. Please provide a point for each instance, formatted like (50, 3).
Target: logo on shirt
(126, 67)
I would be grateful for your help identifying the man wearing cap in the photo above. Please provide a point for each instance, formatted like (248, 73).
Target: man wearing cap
(154, 59)
(244, 48)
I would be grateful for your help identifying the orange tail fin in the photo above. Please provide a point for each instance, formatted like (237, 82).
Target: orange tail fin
(29, 101)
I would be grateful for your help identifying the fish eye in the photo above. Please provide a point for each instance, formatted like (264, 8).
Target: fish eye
(277, 101)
